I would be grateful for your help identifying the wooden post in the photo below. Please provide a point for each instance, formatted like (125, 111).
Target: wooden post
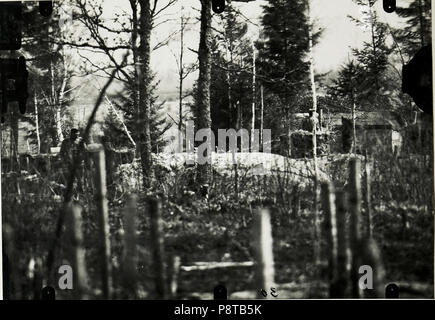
(355, 221)
(103, 216)
(175, 264)
(130, 249)
(342, 269)
(263, 247)
(11, 285)
(370, 254)
(328, 200)
(37, 279)
(157, 247)
(77, 252)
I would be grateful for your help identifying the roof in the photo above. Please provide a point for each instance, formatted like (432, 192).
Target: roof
(367, 120)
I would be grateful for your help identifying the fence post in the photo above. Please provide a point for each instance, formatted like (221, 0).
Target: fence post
(11, 285)
(157, 247)
(175, 263)
(130, 249)
(371, 256)
(355, 221)
(37, 279)
(263, 247)
(328, 200)
(80, 278)
(103, 216)
(342, 245)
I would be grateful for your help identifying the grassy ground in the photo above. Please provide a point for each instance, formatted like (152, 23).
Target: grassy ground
(217, 227)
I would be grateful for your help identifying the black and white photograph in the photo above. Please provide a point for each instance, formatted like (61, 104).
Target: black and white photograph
(216, 150)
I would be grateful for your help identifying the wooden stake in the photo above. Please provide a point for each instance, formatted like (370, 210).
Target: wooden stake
(130, 248)
(157, 247)
(11, 283)
(103, 214)
(342, 261)
(263, 247)
(328, 200)
(370, 255)
(37, 279)
(174, 272)
(77, 252)
(355, 221)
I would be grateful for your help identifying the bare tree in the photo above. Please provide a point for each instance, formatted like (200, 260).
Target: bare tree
(314, 133)
(128, 31)
(202, 107)
(183, 71)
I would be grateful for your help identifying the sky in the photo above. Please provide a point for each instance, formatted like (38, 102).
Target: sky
(333, 49)
(339, 34)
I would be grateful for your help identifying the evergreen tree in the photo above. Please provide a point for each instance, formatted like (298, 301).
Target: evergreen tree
(372, 83)
(282, 50)
(417, 32)
(231, 71)
(345, 86)
(283, 64)
(123, 102)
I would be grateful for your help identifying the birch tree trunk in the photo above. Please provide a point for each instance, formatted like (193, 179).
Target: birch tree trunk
(180, 88)
(38, 137)
(230, 58)
(59, 103)
(313, 90)
(253, 95)
(54, 102)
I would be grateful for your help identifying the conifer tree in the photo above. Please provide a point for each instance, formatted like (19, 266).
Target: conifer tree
(417, 31)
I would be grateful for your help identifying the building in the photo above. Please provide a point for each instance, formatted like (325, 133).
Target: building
(374, 131)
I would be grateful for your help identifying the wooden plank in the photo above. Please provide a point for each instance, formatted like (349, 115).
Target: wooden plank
(198, 266)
